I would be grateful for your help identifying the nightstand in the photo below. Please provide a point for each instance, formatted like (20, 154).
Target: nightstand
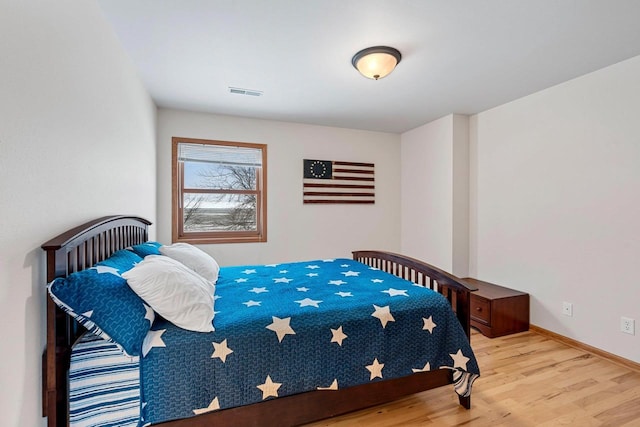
(498, 311)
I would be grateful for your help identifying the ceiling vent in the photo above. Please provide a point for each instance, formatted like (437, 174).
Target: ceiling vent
(241, 91)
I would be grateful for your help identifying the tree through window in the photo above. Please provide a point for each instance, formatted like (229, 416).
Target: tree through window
(219, 191)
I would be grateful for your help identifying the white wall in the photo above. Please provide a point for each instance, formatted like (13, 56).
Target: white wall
(555, 204)
(435, 193)
(295, 231)
(77, 141)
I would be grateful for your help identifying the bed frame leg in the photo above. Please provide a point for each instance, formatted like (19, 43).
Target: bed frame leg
(465, 402)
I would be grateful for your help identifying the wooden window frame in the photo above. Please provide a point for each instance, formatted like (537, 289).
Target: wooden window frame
(177, 177)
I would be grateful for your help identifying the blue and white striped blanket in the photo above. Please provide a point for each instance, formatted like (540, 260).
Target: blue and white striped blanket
(104, 385)
(289, 328)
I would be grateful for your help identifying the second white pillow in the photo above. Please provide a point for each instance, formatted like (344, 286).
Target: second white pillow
(194, 258)
(174, 291)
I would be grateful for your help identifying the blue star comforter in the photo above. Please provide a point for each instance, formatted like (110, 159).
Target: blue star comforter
(283, 329)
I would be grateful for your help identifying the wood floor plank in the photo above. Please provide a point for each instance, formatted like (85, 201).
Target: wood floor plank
(527, 379)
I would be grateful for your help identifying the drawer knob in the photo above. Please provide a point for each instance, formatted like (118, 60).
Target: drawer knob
(478, 308)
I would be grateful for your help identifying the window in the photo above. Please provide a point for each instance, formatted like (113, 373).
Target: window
(219, 191)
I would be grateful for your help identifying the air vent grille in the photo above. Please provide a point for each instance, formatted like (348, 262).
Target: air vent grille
(248, 92)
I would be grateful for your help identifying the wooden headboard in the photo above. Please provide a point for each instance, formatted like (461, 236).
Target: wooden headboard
(77, 249)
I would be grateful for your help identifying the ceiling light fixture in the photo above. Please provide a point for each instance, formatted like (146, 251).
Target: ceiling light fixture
(376, 62)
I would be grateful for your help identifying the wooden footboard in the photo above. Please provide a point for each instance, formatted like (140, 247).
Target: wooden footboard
(421, 273)
(81, 247)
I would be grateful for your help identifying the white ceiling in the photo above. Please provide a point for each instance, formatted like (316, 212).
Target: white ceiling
(459, 56)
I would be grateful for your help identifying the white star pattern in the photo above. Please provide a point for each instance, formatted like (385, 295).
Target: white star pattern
(377, 280)
(312, 267)
(258, 290)
(396, 292)
(249, 271)
(384, 314)
(271, 265)
(252, 303)
(101, 269)
(149, 314)
(282, 280)
(459, 360)
(426, 368)
(283, 271)
(429, 324)
(328, 260)
(333, 386)
(269, 388)
(153, 339)
(344, 294)
(312, 274)
(375, 368)
(281, 327)
(337, 282)
(221, 350)
(350, 273)
(338, 336)
(344, 265)
(213, 406)
(308, 302)
(241, 280)
(303, 289)
(374, 268)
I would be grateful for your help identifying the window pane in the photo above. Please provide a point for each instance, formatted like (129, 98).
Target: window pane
(219, 212)
(219, 176)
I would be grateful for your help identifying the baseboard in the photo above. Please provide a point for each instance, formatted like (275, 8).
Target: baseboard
(586, 347)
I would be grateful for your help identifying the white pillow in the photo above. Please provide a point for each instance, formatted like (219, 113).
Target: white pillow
(174, 291)
(194, 258)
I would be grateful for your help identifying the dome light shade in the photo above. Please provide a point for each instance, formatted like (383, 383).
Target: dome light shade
(376, 62)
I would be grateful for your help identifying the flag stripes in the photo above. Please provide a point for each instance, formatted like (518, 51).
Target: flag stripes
(338, 182)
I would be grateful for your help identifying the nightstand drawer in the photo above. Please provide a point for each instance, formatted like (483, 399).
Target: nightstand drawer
(480, 309)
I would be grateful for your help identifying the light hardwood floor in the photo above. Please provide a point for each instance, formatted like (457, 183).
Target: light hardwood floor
(527, 379)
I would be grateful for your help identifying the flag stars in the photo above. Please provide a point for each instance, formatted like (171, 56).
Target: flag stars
(283, 271)
(282, 280)
(221, 350)
(269, 388)
(302, 289)
(312, 274)
(344, 265)
(312, 267)
(249, 271)
(375, 369)
(337, 282)
(377, 280)
(258, 290)
(241, 280)
(383, 314)
(429, 324)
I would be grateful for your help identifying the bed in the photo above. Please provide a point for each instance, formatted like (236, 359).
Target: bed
(82, 247)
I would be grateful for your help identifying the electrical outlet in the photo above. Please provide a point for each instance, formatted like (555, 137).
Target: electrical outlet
(628, 325)
(567, 309)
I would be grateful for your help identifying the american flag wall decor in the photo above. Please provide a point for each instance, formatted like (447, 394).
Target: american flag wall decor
(326, 181)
